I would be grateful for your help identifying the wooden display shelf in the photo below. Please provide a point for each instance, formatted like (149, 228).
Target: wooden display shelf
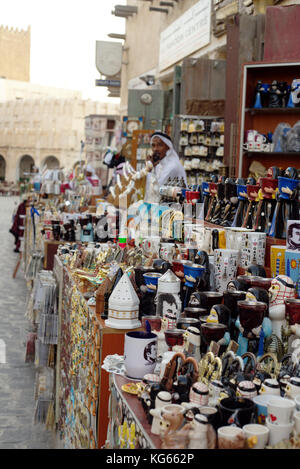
(136, 410)
(264, 120)
(273, 110)
(50, 250)
(273, 153)
(112, 342)
(268, 159)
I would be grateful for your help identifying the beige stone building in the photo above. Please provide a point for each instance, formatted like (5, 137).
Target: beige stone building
(39, 125)
(42, 126)
(14, 53)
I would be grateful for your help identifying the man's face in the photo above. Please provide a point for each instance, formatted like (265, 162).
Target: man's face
(159, 147)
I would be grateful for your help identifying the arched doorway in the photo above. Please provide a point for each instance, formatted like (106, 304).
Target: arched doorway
(2, 168)
(51, 162)
(26, 166)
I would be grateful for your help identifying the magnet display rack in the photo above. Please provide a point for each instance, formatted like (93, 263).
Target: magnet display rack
(199, 142)
(265, 120)
(82, 386)
(140, 147)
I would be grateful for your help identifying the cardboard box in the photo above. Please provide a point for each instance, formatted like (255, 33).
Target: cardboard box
(277, 260)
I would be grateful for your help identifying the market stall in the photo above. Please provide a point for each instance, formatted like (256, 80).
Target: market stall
(175, 322)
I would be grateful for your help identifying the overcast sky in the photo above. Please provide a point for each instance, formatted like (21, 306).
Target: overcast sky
(63, 38)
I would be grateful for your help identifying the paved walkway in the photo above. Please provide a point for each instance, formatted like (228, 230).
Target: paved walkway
(17, 404)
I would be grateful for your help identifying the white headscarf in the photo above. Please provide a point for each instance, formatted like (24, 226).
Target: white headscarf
(170, 165)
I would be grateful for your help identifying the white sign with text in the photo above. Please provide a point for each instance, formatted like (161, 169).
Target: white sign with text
(187, 34)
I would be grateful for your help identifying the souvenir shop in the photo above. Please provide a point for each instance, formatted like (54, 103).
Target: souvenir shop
(173, 321)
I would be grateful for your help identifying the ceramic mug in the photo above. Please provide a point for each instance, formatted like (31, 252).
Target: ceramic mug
(261, 410)
(199, 394)
(151, 245)
(297, 422)
(253, 247)
(250, 146)
(278, 432)
(246, 389)
(167, 251)
(280, 410)
(225, 265)
(140, 353)
(238, 411)
(292, 388)
(270, 386)
(234, 236)
(257, 436)
(171, 409)
(259, 138)
(297, 402)
(212, 414)
(268, 147)
(231, 438)
(250, 135)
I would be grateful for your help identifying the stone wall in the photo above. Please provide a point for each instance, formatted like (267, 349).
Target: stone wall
(45, 127)
(14, 54)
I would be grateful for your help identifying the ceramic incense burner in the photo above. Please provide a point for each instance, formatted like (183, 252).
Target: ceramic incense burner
(123, 306)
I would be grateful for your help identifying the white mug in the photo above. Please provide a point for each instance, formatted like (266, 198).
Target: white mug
(251, 134)
(140, 353)
(225, 266)
(234, 239)
(230, 437)
(297, 402)
(293, 387)
(268, 147)
(297, 422)
(259, 138)
(167, 251)
(255, 431)
(280, 410)
(250, 146)
(253, 248)
(278, 432)
(270, 386)
(258, 146)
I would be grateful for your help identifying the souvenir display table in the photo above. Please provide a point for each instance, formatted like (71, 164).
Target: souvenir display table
(200, 311)
(124, 407)
(84, 343)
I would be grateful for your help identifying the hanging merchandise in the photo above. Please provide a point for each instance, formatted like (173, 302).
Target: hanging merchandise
(44, 385)
(34, 266)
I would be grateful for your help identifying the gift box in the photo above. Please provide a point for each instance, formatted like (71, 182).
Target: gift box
(292, 267)
(277, 264)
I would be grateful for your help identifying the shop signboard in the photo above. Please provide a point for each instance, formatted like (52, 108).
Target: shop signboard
(189, 33)
(114, 83)
(108, 57)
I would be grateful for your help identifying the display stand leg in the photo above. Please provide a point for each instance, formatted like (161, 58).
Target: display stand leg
(17, 266)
